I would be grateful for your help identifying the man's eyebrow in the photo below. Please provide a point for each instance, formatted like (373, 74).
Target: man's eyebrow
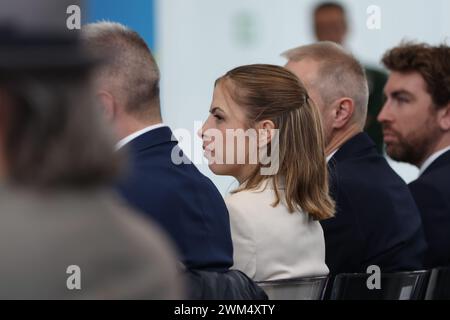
(397, 93)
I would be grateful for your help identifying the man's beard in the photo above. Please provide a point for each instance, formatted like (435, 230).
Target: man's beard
(415, 147)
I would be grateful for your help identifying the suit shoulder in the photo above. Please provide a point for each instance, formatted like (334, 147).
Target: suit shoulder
(237, 201)
(371, 185)
(428, 187)
(366, 171)
(434, 178)
(248, 202)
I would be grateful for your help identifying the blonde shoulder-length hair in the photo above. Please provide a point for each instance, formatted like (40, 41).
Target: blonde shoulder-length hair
(268, 92)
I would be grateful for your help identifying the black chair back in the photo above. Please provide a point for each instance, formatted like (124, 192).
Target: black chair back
(228, 285)
(393, 286)
(311, 288)
(439, 285)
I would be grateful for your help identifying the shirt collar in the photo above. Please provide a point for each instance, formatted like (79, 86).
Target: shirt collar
(332, 154)
(431, 159)
(136, 134)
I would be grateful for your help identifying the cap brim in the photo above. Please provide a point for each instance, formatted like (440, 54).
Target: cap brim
(46, 58)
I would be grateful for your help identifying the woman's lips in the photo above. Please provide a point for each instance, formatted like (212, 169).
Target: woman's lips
(207, 146)
(207, 152)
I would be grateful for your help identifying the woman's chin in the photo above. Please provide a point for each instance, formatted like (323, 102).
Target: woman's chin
(219, 169)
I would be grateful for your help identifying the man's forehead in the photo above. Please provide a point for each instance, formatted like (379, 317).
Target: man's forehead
(326, 12)
(405, 81)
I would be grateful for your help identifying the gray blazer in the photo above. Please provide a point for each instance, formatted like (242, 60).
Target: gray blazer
(81, 245)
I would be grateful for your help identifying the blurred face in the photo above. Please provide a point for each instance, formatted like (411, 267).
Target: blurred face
(409, 121)
(306, 70)
(330, 25)
(225, 149)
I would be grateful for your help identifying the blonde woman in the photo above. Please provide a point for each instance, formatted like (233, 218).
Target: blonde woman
(275, 211)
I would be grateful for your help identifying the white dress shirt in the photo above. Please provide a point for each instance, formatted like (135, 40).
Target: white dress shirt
(270, 243)
(136, 134)
(431, 159)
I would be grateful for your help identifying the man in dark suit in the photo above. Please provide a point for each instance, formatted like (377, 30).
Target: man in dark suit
(177, 196)
(416, 126)
(376, 221)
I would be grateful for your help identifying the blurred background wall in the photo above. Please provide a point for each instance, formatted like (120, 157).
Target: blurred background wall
(196, 41)
(137, 14)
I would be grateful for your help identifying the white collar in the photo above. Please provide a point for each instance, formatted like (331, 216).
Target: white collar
(136, 134)
(431, 159)
(332, 154)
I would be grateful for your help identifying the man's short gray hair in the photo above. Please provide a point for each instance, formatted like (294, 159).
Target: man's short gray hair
(340, 75)
(130, 72)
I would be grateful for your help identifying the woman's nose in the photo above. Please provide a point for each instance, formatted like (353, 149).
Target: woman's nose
(200, 133)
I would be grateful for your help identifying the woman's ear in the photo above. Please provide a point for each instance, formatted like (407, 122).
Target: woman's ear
(107, 104)
(343, 112)
(266, 131)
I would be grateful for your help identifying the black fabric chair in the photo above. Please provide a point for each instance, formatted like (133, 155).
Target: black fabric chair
(229, 285)
(311, 288)
(394, 286)
(439, 285)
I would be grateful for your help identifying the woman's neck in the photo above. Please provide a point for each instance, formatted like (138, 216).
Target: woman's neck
(245, 173)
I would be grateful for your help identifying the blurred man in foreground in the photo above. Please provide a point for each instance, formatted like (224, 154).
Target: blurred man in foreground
(63, 233)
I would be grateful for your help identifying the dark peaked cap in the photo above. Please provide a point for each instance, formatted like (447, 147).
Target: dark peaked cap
(34, 35)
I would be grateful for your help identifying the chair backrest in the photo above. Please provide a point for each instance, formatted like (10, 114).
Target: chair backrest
(393, 286)
(295, 289)
(439, 285)
(228, 285)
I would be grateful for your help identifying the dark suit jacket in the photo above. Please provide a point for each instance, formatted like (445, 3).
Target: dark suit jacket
(377, 221)
(181, 199)
(432, 194)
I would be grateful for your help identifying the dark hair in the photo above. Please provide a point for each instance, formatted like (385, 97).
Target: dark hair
(431, 62)
(274, 93)
(52, 133)
(329, 5)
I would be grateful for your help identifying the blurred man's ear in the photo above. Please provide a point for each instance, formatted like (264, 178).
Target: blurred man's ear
(343, 110)
(444, 118)
(108, 104)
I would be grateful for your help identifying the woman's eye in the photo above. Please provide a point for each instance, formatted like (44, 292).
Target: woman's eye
(219, 118)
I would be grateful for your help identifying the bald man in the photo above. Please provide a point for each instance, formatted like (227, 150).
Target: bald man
(330, 23)
(377, 221)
